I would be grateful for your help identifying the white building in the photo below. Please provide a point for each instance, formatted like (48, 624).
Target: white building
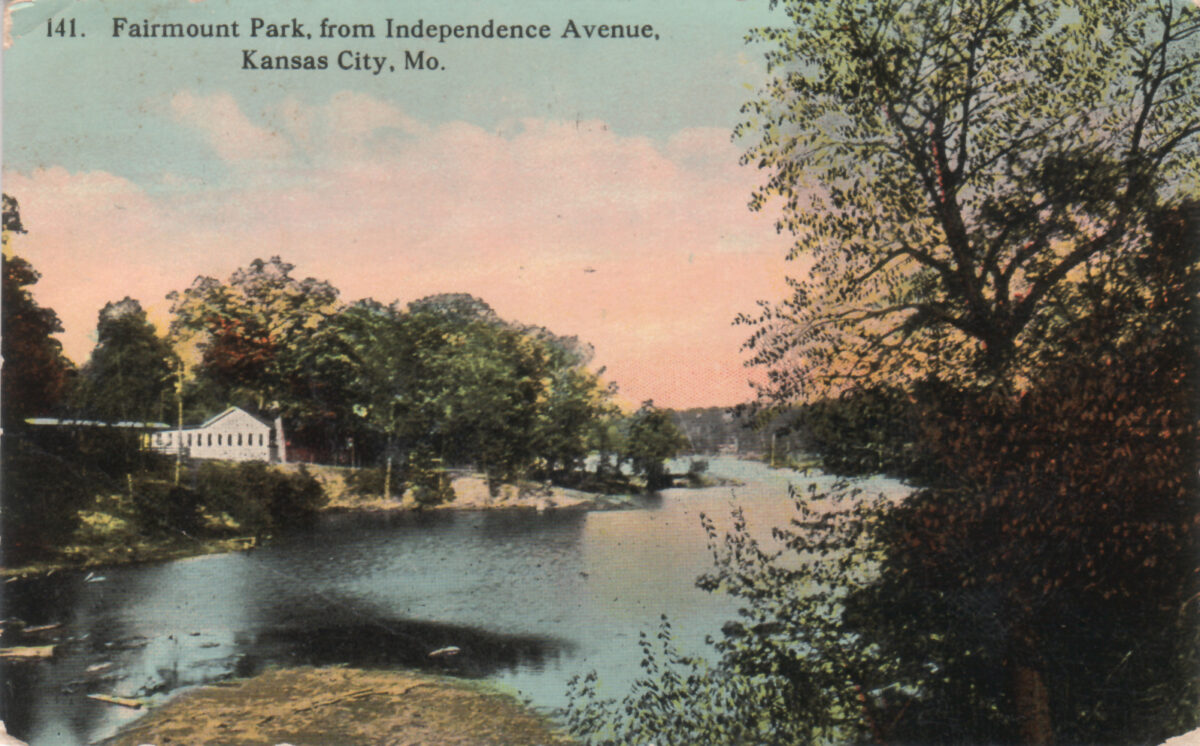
(233, 435)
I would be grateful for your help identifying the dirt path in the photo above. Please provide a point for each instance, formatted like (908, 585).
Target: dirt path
(312, 706)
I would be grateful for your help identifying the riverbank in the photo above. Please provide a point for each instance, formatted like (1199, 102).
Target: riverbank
(342, 706)
(137, 551)
(470, 492)
(105, 538)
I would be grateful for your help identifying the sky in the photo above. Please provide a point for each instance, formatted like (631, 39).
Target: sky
(590, 186)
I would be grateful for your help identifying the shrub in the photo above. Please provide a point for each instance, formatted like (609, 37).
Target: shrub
(257, 496)
(369, 481)
(43, 495)
(164, 508)
(696, 470)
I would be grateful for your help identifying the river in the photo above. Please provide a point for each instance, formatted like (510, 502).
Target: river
(530, 599)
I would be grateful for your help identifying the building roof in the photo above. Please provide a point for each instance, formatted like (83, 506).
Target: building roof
(125, 424)
(231, 410)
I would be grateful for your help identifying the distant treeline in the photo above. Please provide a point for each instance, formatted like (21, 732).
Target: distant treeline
(410, 388)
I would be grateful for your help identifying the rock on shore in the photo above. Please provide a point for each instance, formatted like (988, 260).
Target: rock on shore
(310, 706)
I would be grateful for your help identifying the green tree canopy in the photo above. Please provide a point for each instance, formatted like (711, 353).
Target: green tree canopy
(652, 438)
(129, 375)
(250, 328)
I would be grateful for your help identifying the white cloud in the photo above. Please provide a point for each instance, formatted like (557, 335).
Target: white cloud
(646, 250)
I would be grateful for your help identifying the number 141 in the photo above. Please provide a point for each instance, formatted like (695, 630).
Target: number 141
(65, 27)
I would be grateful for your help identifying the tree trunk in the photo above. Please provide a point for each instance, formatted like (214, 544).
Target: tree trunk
(387, 480)
(1027, 688)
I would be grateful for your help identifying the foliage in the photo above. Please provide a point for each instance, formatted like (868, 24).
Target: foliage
(35, 374)
(862, 431)
(370, 481)
(1073, 523)
(355, 366)
(1053, 561)
(259, 497)
(449, 379)
(161, 508)
(983, 195)
(788, 670)
(429, 483)
(43, 494)
(250, 328)
(951, 170)
(651, 438)
(128, 377)
(444, 374)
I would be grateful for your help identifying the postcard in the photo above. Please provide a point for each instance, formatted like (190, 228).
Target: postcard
(603, 371)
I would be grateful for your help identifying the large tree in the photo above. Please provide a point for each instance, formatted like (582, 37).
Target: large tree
(988, 204)
(517, 401)
(973, 188)
(129, 375)
(35, 372)
(250, 328)
(948, 168)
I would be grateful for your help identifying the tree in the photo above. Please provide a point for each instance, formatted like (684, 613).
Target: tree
(982, 195)
(129, 375)
(972, 185)
(250, 329)
(653, 438)
(572, 403)
(949, 169)
(447, 381)
(358, 368)
(517, 401)
(35, 372)
(42, 492)
(1072, 520)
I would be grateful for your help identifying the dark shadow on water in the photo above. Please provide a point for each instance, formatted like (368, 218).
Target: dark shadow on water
(398, 643)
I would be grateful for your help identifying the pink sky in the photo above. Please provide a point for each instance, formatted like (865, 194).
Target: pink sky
(644, 249)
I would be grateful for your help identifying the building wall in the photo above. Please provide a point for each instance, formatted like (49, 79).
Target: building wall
(235, 437)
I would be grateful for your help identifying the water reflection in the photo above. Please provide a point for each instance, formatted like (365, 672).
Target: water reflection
(528, 598)
(390, 643)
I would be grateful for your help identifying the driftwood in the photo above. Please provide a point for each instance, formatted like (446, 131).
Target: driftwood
(36, 652)
(134, 704)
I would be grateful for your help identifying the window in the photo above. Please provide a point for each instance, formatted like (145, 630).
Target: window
(239, 439)
(218, 439)
(210, 439)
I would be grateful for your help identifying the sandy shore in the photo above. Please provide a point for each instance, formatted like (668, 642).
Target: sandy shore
(315, 706)
(471, 493)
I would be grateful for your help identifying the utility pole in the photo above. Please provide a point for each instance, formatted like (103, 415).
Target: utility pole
(179, 430)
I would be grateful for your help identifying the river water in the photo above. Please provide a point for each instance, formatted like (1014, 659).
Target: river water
(530, 599)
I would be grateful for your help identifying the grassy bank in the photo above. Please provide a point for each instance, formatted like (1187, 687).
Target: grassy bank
(93, 556)
(222, 507)
(234, 507)
(313, 706)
